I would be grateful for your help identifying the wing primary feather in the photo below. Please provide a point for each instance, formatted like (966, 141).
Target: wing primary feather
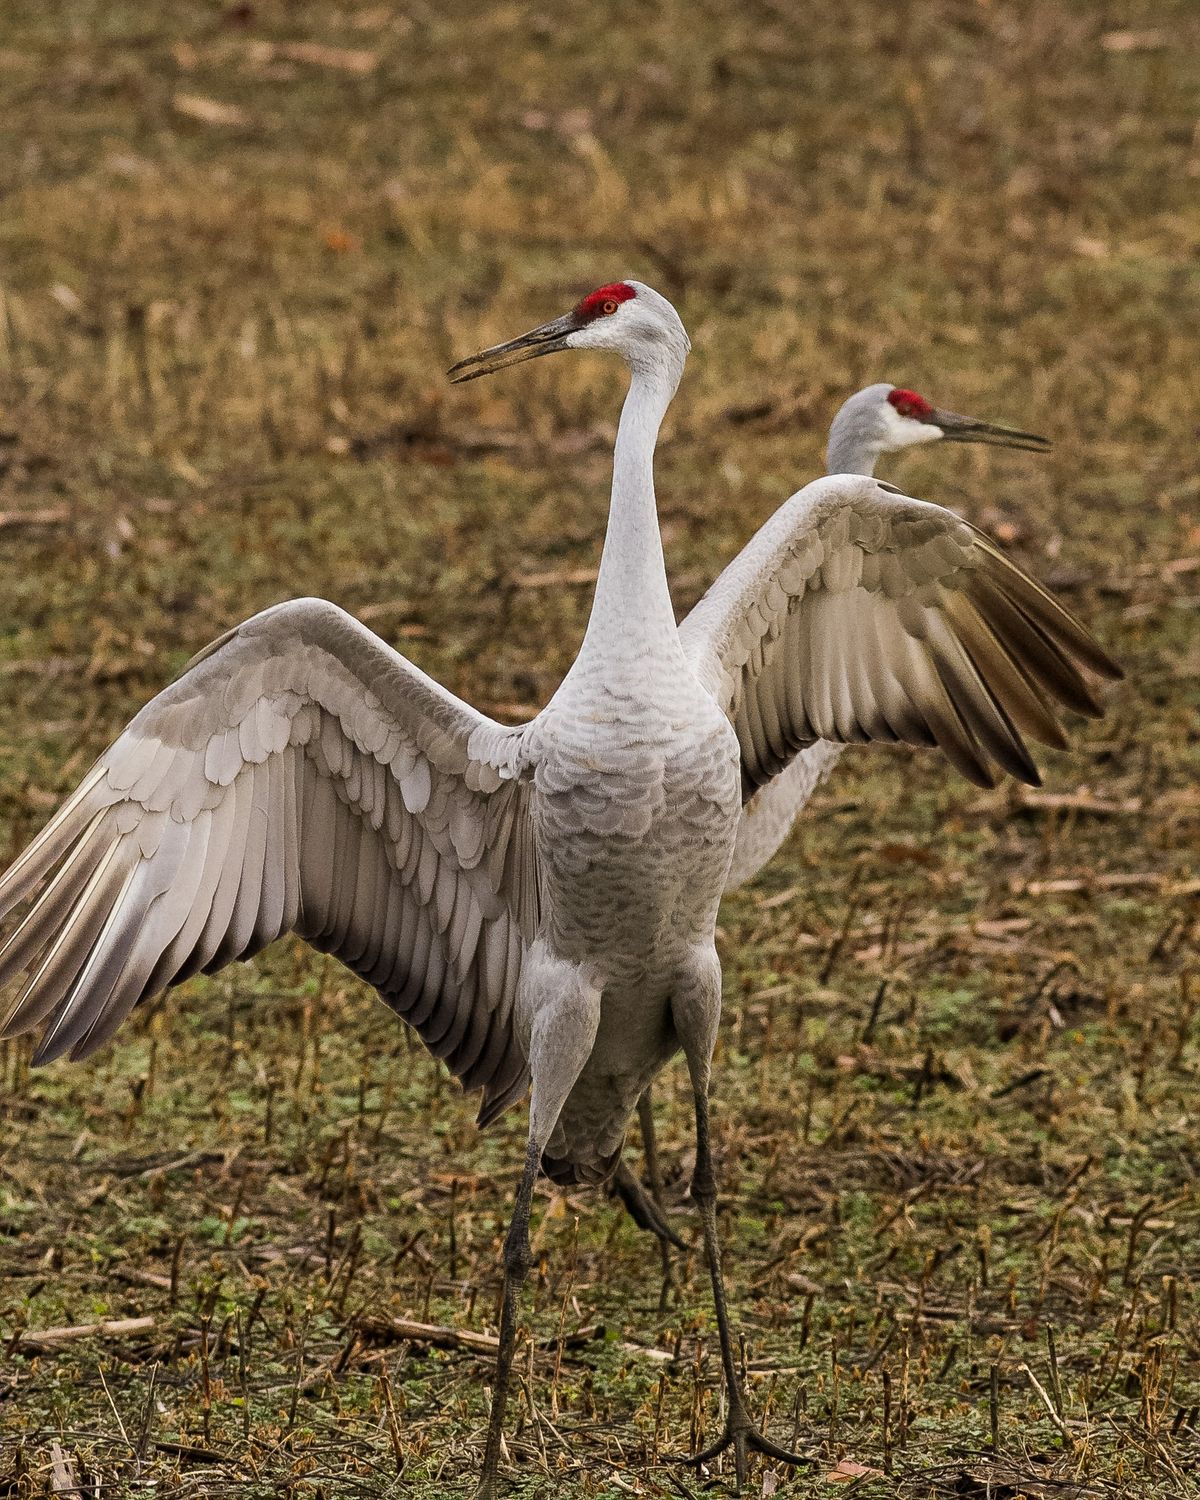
(165, 921)
(509, 1085)
(472, 1050)
(53, 904)
(360, 929)
(1021, 696)
(384, 958)
(91, 985)
(54, 840)
(293, 794)
(371, 921)
(84, 1004)
(349, 843)
(182, 958)
(152, 903)
(952, 736)
(394, 983)
(216, 929)
(273, 896)
(417, 998)
(1027, 643)
(62, 961)
(978, 707)
(985, 718)
(244, 917)
(317, 837)
(893, 692)
(1055, 619)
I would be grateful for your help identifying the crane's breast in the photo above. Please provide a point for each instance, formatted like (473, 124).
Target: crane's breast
(635, 818)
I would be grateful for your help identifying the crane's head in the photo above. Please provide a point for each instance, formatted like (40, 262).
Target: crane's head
(883, 418)
(628, 317)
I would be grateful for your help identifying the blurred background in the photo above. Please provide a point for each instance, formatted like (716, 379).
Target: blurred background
(239, 245)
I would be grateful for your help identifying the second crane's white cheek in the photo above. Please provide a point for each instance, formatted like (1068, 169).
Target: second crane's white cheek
(904, 432)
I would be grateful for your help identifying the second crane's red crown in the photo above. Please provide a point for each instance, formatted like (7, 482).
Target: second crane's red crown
(909, 404)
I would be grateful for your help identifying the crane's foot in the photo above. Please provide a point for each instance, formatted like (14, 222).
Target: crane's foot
(744, 1438)
(643, 1210)
(488, 1488)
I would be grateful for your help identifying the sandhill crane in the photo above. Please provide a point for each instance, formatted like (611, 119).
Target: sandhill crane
(538, 902)
(879, 419)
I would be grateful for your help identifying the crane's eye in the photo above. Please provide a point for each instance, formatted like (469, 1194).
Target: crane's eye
(609, 307)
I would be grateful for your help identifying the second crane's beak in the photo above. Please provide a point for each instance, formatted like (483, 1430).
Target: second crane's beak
(548, 339)
(959, 429)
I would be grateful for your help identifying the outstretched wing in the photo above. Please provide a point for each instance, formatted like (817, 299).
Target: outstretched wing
(300, 776)
(859, 614)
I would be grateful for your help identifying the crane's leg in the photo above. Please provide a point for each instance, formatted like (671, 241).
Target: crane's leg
(645, 1114)
(644, 1211)
(566, 1012)
(516, 1269)
(697, 1011)
(645, 1111)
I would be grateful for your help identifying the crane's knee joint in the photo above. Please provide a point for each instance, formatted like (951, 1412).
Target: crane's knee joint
(517, 1258)
(704, 1188)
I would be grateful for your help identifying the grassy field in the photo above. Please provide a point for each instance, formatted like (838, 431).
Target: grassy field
(960, 1072)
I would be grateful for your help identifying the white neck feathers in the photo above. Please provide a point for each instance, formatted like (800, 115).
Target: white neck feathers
(632, 614)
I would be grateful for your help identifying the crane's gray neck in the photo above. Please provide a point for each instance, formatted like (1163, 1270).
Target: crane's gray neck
(853, 447)
(632, 614)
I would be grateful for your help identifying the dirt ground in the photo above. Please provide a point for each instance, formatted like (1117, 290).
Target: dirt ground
(957, 1090)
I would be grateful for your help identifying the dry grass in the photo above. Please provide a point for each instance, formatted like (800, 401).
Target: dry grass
(959, 1075)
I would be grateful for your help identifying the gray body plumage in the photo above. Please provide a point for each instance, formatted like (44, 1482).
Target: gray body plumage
(635, 806)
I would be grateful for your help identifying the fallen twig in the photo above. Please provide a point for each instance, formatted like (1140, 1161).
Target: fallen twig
(554, 578)
(50, 515)
(45, 1340)
(435, 1335)
(1113, 882)
(1081, 801)
(1063, 1430)
(190, 1451)
(443, 1336)
(208, 111)
(46, 666)
(137, 1276)
(62, 1477)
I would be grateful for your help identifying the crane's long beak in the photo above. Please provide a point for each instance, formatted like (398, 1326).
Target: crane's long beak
(960, 429)
(548, 339)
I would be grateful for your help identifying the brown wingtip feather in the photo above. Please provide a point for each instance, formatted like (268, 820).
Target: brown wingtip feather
(1040, 639)
(1108, 668)
(1050, 612)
